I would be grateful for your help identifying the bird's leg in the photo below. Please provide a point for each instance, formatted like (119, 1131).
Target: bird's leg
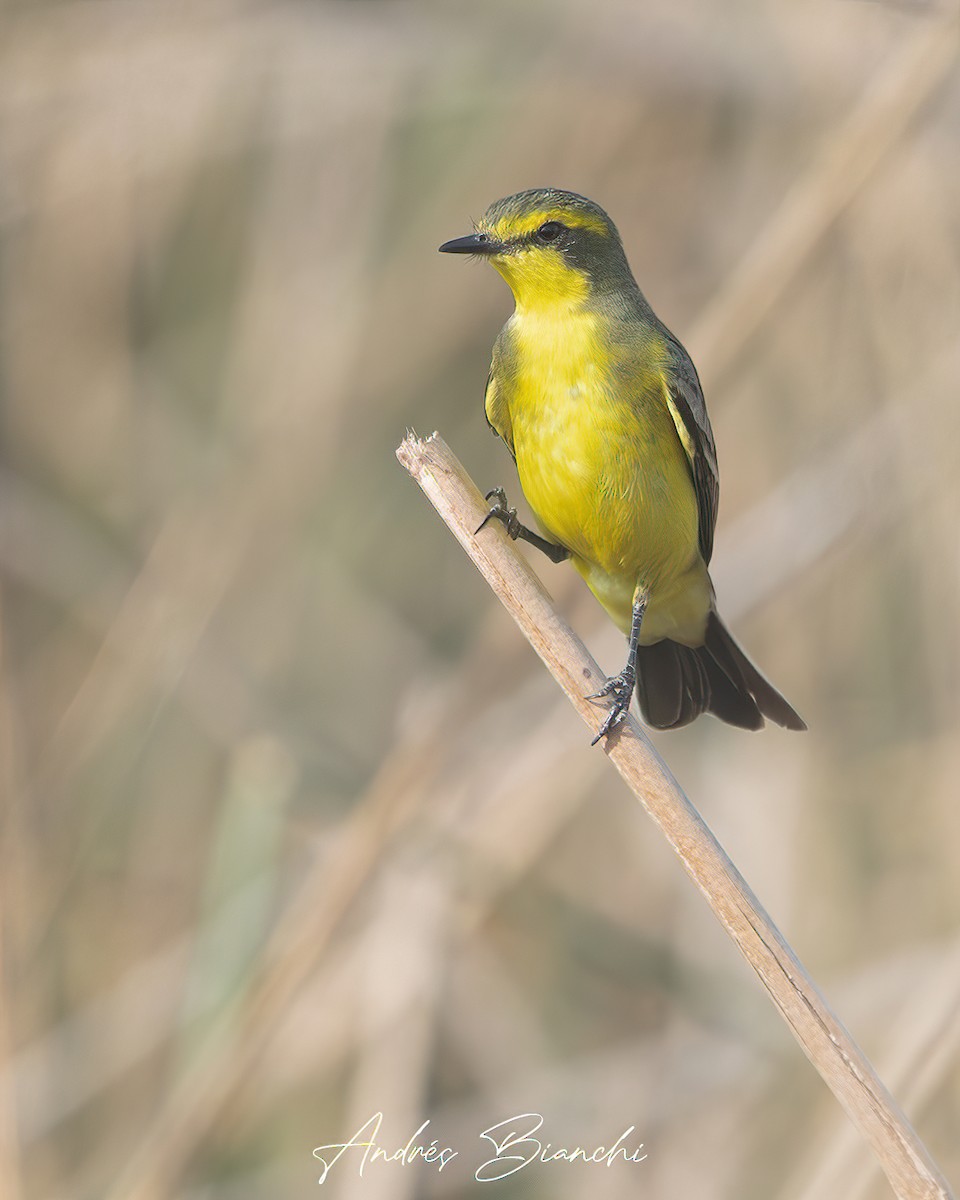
(508, 516)
(621, 686)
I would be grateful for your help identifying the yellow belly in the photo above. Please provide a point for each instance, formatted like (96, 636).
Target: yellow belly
(608, 478)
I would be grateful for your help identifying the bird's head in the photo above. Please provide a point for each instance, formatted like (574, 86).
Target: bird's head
(552, 247)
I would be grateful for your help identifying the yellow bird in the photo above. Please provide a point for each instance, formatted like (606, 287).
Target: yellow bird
(601, 408)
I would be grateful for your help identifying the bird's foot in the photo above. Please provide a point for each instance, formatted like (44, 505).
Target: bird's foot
(501, 511)
(620, 687)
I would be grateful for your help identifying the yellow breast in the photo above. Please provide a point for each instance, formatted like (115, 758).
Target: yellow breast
(601, 464)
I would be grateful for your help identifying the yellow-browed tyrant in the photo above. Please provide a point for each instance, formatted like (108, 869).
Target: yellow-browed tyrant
(602, 410)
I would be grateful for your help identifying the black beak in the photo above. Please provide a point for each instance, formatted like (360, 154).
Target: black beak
(474, 243)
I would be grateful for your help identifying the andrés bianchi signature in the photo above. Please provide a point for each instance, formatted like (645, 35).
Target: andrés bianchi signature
(515, 1144)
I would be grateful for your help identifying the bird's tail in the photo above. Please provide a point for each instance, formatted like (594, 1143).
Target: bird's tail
(675, 684)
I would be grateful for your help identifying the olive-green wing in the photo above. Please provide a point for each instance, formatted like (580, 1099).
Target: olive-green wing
(496, 410)
(685, 401)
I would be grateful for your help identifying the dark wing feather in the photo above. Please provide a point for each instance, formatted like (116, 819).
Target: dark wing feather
(689, 412)
(495, 405)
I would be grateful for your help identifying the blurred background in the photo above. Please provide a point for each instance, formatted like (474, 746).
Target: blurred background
(296, 829)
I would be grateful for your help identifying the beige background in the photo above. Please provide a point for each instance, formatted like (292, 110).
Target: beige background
(241, 657)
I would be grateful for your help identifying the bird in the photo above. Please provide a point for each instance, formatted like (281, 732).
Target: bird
(602, 410)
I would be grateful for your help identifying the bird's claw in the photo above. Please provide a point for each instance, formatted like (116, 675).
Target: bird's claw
(621, 688)
(501, 511)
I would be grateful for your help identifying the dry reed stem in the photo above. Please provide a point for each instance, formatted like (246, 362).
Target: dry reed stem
(301, 938)
(845, 163)
(9, 1143)
(920, 1056)
(843, 1066)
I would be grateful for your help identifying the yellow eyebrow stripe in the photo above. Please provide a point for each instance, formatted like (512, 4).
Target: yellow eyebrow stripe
(511, 227)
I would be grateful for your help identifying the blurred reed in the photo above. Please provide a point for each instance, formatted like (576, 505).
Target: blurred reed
(234, 848)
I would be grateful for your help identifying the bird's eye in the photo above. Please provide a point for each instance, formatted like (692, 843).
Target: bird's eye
(549, 232)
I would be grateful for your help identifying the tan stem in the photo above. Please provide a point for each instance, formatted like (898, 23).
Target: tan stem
(908, 1166)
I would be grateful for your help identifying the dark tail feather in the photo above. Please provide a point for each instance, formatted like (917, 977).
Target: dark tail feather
(675, 684)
